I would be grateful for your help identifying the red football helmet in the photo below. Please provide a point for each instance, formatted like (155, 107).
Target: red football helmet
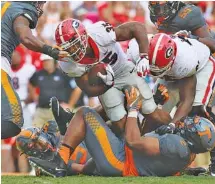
(162, 53)
(71, 36)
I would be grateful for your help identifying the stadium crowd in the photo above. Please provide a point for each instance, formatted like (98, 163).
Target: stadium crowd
(31, 70)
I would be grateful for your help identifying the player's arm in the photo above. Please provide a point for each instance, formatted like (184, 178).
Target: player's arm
(22, 29)
(130, 30)
(90, 90)
(195, 22)
(205, 37)
(187, 91)
(146, 145)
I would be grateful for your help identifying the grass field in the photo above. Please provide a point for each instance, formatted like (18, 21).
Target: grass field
(106, 180)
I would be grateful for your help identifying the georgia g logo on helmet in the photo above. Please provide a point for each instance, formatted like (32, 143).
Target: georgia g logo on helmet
(169, 52)
(75, 24)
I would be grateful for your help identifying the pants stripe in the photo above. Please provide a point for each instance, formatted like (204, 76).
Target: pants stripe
(107, 150)
(11, 96)
(210, 83)
(4, 8)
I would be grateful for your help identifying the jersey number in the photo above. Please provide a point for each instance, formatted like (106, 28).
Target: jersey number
(108, 27)
(110, 58)
(15, 82)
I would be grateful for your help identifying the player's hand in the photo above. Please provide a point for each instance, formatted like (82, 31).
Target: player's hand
(183, 33)
(108, 79)
(133, 98)
(55, 52)
(142, 66)
(165, 129)
(161, 96)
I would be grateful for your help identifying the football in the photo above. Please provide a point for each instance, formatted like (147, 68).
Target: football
(94, 80)
(90, 83)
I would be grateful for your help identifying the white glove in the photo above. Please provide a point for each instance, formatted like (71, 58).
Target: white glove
(142, 66)
(183, 33)
(109, 78)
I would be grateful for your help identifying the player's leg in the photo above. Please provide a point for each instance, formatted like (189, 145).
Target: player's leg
(105, 148)
(113, 104)
(11, 109)
(79, 157)
(204, 88)
(62, 117)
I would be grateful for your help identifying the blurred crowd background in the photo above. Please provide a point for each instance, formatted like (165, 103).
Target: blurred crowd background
(36, 77)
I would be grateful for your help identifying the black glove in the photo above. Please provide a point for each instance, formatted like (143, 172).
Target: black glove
(165, 129)
(53, 52)
(161, 96)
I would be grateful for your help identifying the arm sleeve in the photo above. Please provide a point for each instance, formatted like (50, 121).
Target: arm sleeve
(194, 19)
(102, 33)
(30, 15)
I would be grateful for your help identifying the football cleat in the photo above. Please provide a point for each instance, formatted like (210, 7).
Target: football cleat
(212, 169)
(196, 171)
(55, 167)
(62, 117)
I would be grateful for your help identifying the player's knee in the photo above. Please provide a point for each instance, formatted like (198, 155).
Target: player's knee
(9, 129)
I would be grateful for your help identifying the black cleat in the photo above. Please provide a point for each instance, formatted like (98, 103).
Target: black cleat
(212, 169)
(62, 117)
(55, 167)
(195, 171)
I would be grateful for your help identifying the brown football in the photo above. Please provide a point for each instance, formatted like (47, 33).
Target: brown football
(90, 83)
(94, 80)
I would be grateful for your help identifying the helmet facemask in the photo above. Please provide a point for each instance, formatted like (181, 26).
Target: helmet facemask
(77, 46)
(37, 145)
(163, 10)
(39, 7)
(157, 72)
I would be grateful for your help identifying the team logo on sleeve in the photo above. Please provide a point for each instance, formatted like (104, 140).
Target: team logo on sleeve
(169, 52)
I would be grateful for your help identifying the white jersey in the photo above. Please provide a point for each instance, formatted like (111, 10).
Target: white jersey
(20, 79)
(105, 45)
(190, 58)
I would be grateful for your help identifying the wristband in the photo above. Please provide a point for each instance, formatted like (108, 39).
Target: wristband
(132, 114)
(48, 50)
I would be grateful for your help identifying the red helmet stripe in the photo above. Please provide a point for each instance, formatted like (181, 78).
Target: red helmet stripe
(60, 32)
(156, 48)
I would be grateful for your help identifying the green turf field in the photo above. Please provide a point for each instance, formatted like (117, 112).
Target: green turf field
(106, 180)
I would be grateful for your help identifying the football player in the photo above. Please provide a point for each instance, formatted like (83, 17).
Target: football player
(136, 155)
(176, 17)
(187, 68)
(173, 16)
(99, 43)
(17, 20)
(43, 143)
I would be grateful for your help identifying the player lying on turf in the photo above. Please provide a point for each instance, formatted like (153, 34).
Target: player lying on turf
(43, 143)
(99, 43)
(149, 155)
